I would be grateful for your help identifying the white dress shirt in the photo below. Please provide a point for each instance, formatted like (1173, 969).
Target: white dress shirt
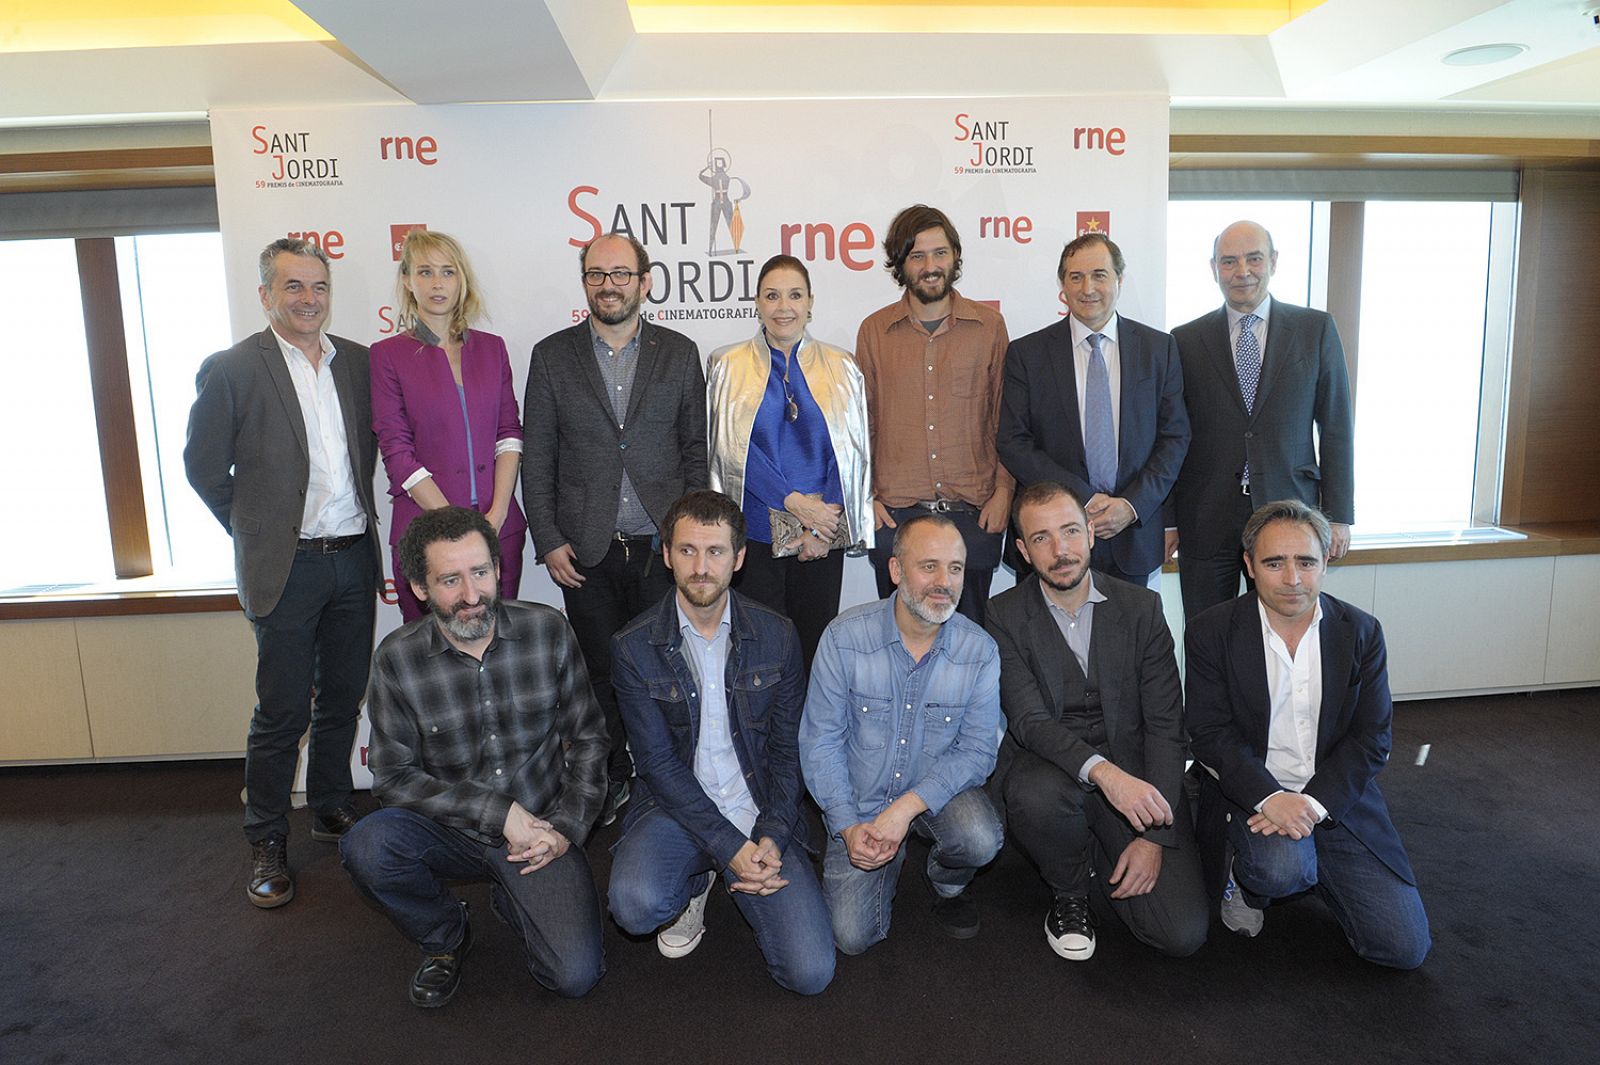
(1294, 688)
(716, 763)
(332, 506)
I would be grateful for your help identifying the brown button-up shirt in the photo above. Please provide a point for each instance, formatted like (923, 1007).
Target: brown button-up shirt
(933, 402)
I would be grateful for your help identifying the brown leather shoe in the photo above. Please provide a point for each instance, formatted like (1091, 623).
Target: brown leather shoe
(270, 883)
(330, 828)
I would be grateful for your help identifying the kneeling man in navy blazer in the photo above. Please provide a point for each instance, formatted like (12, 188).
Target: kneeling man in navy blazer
(1288, 706)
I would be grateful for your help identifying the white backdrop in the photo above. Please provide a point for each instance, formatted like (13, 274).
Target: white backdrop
(522, 186)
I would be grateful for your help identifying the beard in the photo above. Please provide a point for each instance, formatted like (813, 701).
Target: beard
(941, 288)
(927, 612)
(703, 592)
(468, 630)
(627, 306)
(1057, 575)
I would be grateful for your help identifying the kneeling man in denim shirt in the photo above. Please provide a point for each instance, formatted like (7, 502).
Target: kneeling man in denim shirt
(901, 729)
(710, 687)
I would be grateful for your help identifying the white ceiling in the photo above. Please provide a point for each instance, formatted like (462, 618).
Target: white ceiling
(1343, 54)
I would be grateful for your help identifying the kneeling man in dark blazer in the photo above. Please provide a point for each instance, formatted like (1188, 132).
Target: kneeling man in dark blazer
(1091, 768)
(1288, 706)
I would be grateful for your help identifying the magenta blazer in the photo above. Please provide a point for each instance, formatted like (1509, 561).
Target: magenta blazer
(417, 416)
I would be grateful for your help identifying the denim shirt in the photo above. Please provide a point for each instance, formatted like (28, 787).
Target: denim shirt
(878, 724)
(660, 701)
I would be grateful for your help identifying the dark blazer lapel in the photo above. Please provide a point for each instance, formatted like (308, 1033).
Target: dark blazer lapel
(1250, 665)
(344, 385)
(1108, 654)
(649, 355)
(1134, 360)
(1281, 327)
(1062, 362)
(583, 355)
(1338, 655)
(272, 359)
(1046, 644)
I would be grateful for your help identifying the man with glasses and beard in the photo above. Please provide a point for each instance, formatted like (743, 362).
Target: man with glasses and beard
(933, 362)
(901, 727)
(1091, 770)
(488, 754)
(614, 430)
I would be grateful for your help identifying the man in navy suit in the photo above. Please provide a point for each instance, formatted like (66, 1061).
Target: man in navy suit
(1259, 376)
(1095, 402)
(1288, 706)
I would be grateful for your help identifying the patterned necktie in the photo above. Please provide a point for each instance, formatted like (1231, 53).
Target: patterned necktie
(1248, 363)
(1099, 432)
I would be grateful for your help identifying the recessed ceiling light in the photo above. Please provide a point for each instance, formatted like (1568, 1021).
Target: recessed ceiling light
(1480, 54)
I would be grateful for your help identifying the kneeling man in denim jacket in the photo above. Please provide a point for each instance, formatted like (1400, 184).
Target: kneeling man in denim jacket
(901, 729)
(710, 688)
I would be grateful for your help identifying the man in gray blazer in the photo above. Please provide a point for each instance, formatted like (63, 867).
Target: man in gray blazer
(1095, 402)
(614, 430)
(1259, 377)
(280, 447)
(1090, 774)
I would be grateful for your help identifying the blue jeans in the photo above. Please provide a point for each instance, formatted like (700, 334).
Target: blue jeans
(657, 867)
(1380, 913)
(966, 835)
(397, 858)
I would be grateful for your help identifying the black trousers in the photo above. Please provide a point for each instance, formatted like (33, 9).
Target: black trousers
(983, 557)
(1065, 828)
(631, 579)
(312, 656)
(1207, 580)
(807, 593)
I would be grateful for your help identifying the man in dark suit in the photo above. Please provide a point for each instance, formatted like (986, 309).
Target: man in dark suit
(1095, 402)
(1091, 769)
(280, 447)
(614, 430)
(1259, 376)
(1288, 706)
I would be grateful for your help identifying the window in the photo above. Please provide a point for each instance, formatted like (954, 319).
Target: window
(174, 313)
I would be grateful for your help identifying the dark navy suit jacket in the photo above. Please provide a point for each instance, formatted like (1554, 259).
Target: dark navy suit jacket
(1229, 713)
(1041, 428)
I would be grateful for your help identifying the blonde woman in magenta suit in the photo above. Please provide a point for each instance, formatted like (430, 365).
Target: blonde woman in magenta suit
(444, 408)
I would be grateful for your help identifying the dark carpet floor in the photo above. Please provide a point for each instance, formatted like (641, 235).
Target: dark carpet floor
(127, 938)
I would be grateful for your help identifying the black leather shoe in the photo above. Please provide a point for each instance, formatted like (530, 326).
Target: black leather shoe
(330, 828)
(616, 797)
(957, 917)
(439, 975)
(270, 883)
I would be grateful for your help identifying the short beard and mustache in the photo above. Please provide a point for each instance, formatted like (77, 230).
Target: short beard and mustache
(926, 612)
(468, 630)
(702, 593)
(939, 293)
(627, 307)
(1063, 585)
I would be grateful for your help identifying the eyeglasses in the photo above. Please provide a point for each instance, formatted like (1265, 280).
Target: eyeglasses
(619, 277)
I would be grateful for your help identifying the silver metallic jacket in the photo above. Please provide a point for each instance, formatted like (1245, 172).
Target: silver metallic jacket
(736, 381)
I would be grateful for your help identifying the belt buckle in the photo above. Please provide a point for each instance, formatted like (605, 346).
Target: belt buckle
(940, 506)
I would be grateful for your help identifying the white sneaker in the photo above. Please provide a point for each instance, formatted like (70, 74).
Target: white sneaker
(1238, 915)
(679, 938)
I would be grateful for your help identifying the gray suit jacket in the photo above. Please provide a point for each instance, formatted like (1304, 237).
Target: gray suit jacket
(247, 457)
(1041, 428)
(1132, 659)
(574, 454)
(1304, 383)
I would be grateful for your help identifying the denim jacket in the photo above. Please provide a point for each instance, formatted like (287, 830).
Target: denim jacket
(878, 724)
(660, 704)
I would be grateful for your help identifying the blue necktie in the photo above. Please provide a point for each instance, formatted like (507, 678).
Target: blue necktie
(1099, 431)
(1247, 361)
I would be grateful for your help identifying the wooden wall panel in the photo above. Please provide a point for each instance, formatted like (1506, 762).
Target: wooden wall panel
(1552, 470)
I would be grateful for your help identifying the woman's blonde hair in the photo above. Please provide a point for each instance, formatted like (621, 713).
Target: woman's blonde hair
(420, 244)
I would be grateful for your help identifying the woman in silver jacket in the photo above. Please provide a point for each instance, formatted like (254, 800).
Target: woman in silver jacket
(788, 429)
